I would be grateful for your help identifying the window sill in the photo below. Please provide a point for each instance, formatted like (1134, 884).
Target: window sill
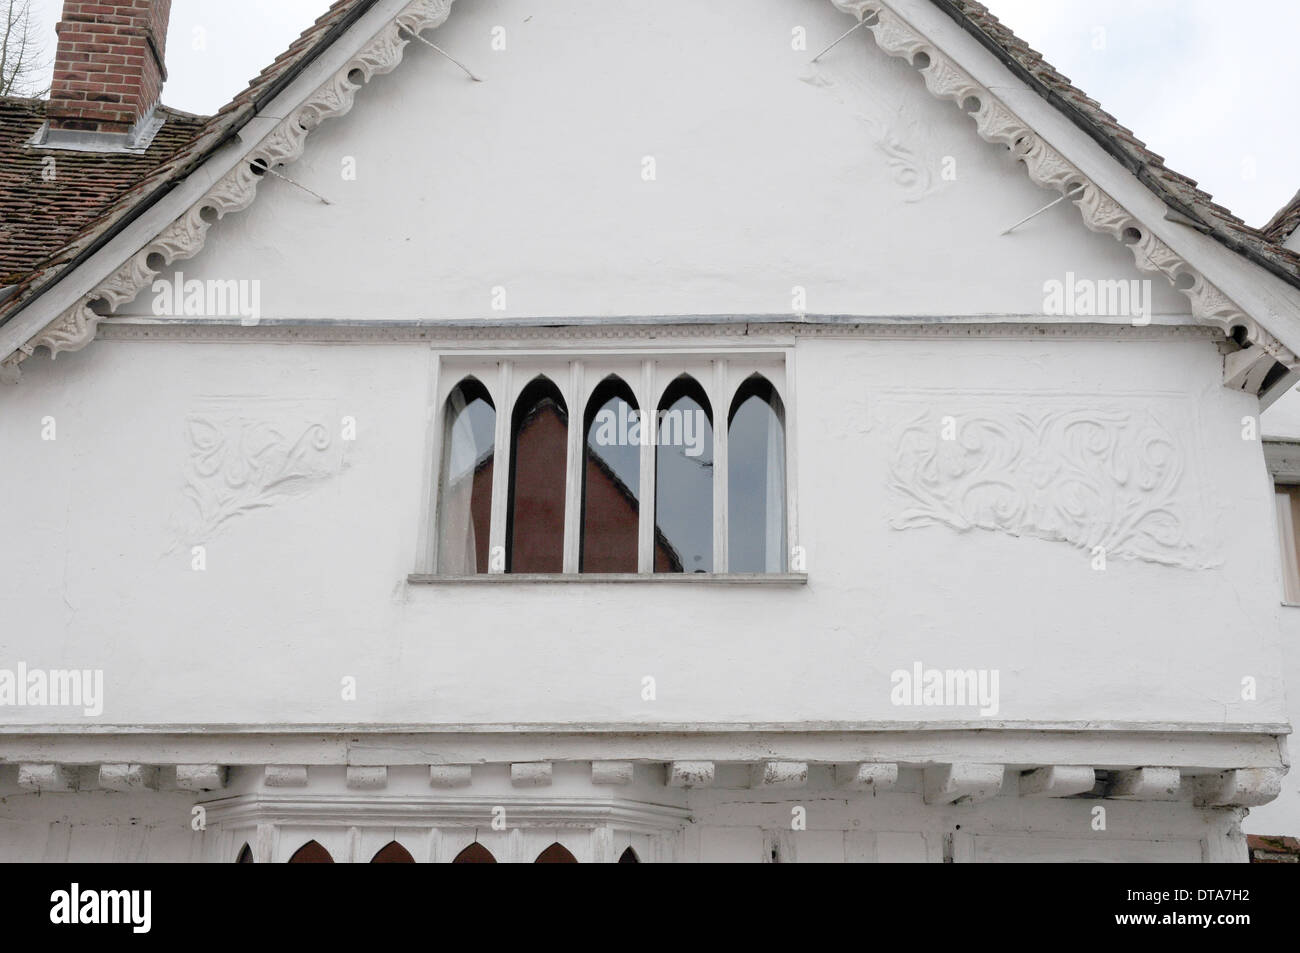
(597, 578)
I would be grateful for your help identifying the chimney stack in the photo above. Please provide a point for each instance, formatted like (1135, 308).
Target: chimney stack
(108, 70)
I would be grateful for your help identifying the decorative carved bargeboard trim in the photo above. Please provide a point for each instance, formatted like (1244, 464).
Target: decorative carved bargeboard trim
(185, 237)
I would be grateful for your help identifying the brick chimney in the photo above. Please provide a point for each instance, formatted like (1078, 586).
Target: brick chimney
(109, 67)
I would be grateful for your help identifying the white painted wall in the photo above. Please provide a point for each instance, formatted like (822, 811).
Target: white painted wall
(769, 175)
(532, 181)
(313, 586)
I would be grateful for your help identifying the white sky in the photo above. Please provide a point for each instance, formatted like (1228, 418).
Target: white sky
(1210, 85)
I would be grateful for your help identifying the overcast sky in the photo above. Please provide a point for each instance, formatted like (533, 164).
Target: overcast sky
(1209, 85)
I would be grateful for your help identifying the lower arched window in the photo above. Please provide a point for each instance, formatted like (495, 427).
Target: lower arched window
(393, 853)
(629, 857)
(555, 854)
(475, 853)
(311, 853)
(756, 479)
(245, 855)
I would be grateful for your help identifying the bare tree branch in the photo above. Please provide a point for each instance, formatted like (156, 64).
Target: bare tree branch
(22, 54)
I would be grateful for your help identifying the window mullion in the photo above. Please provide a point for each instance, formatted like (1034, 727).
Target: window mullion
(646, 525)
(721, 403)
(501, 473)
(573, 471)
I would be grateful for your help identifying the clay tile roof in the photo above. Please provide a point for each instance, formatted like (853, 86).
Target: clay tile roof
(102, 191)
(1177, 191)
(45, 205)
(1283, 225)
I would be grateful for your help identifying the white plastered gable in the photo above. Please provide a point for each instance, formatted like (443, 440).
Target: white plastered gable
(1223, 290)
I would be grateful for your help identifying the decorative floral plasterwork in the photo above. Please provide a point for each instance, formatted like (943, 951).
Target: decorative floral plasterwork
(1106, 476)
(901, 138)
(249, 454)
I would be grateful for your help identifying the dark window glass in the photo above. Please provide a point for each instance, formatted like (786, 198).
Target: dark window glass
(756, 480)
(539, 438)
(311, 853)
(475, 854)
(684, 479)
(611, 480)
(245, 855)
(629, 857)
(393, 853)
(465, 490)
(555, 854)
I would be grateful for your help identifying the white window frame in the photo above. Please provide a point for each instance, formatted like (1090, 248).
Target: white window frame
(648, 372)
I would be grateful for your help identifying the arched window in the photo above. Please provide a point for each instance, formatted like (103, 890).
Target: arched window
(311, 853)
(465, 490)
(539, 449)
(475, 853)
(684, 478)
(611, 480)
(555, 854)
(629, 857)
(393, 853)
(245, 855)
(756, 479)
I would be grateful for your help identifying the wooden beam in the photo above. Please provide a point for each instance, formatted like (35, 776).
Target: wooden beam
(611, 772)
(362, 778)
(127, 777)
(47, 777)
(450, 776)
(201, 777)
(779, 774)
(286, 776)
(533, 774)
(1145, 784)
(866, 776)
(691, 774)
(1245, 787)
(1057, 781)
(968, 783)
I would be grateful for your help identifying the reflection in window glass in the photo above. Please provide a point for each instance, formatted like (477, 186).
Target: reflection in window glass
(465, 495)
(611, 480)
(756, 480)
(684, 478)
(535, 522)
